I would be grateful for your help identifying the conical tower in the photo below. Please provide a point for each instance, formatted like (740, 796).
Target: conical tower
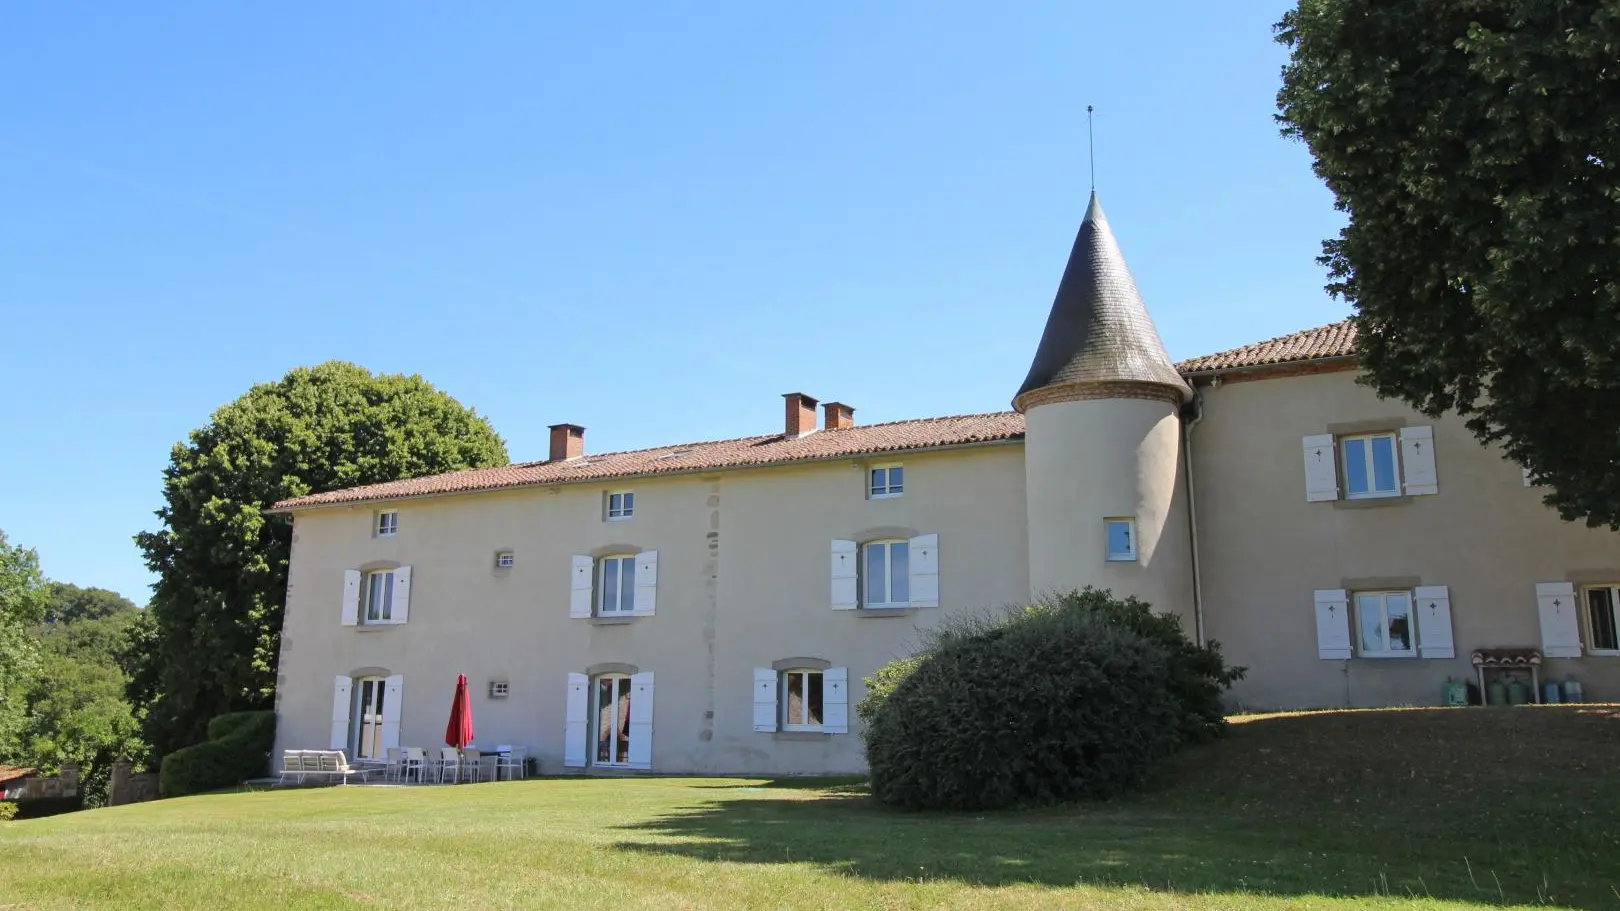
(1102, 451)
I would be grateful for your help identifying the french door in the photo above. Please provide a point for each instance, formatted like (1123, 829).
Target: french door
(612, 720)
(368, 718)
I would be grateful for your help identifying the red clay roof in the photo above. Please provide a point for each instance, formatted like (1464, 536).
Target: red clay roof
(749, 451)
(1335, 340)
(12, 773)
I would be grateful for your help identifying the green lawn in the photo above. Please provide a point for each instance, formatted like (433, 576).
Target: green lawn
(1428, 808)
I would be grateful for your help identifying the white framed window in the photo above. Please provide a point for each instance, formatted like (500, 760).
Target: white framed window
(505, 559)
(1385, 626)
(387, 524)
(886, 482)
(886, 574)
(367, 727)
(499, 689)
(803, 700)
(1121, 539)
(1603, 619)
(610, 703)
(615, 586)
(621, 505)
(378, 597)
(1371, 466)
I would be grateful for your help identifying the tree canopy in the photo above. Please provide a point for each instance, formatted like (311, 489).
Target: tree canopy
(1473, 145)
(222, 562)
(22, 603)
(68, 603)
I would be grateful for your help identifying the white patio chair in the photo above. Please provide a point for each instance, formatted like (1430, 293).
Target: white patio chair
(396, 764)
(292, 766)
(472, 764)
(513, 764)
(414, 763)
(449, 764)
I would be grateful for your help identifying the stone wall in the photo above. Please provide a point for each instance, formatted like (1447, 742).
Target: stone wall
(128, 787)
(64, 785)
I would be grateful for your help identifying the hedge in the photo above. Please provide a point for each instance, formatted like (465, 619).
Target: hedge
(238, 748)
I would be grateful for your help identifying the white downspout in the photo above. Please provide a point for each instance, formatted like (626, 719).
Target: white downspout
(1192, 514)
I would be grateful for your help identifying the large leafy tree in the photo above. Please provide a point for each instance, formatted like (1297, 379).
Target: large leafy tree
(22, 603)
(222, 562)
(1474, 145)
(68, 603)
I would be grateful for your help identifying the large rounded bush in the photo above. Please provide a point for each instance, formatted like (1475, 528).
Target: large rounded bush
(238, 748)
(1052, 704)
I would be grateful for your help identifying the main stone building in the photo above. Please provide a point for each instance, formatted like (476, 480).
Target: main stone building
(714, 607)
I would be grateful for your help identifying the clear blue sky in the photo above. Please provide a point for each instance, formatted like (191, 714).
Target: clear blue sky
(645, 220)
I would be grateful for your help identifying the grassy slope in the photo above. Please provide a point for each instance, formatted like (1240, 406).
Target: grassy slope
(1431, 808)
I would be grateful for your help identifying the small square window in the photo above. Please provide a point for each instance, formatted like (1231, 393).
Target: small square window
(505, 559)
(1385, 625)
(1370, 466)
(1121, 540)
(387, 524)
(620, 506)
(886, 481)
(499, 689)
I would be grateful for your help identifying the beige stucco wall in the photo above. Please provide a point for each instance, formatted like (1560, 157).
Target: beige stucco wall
(1088, 461)
(1264, 549)
(743, 581)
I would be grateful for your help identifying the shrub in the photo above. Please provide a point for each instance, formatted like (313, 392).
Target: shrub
(1199, 676)
(1075, 696)
(238, 748)
(8, 810)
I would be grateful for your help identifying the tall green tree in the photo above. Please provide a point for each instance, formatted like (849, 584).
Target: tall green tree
(1474, 145)
(68, 603)
(22, 604)
(222, 562)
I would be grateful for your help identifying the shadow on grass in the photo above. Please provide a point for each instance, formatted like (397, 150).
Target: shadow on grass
(1468, 805)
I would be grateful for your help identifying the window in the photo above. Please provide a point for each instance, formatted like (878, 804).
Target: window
(616, 584)
(620, 506)
(885, 576)
(1121, 539)
(1385, 624)
(1370, 466)
(499, 689)
(367, 719)
(387, 524)
(1603, 618)
(378, 597)
(802, 703)
(505, 559)
(612, 719)
(886, 481)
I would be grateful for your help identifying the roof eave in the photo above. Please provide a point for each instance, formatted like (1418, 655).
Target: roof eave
(571, 482)
(1276, 366)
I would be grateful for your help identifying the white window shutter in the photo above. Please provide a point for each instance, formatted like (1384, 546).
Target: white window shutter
(1332, 623)
(845, 556)
(1433, 605)
(1560, 619)
(402, 594)
(1321, 469)
(342, 691)
(765, 712)
(579, 586)
(351, 597)
(835, 700)
(646, 583)
(641, 720)
(579, 691)
(1417, 461)
(393, 691)
(924, 568)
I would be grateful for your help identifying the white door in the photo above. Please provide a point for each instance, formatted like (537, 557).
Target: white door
(368, 718)
(611, 711)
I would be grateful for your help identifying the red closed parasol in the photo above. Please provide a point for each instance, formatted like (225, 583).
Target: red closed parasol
(460, 731)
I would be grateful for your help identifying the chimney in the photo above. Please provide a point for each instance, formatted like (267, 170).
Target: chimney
(801, 414)
(839, 416)
(567, 442)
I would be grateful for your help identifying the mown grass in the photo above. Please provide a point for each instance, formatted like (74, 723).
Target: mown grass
(1422, 808)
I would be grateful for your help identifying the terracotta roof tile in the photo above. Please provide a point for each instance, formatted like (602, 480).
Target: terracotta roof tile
(1334, 340)
(12, 773)
(749, 451)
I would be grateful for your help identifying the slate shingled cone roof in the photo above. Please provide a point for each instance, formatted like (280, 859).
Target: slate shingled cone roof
(776, 449)
(1336, 340)
(1099, 330)
(1333, 340)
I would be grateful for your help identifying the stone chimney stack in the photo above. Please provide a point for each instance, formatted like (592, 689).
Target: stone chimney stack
(801, 415)
(567, 442)
(839, 416)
